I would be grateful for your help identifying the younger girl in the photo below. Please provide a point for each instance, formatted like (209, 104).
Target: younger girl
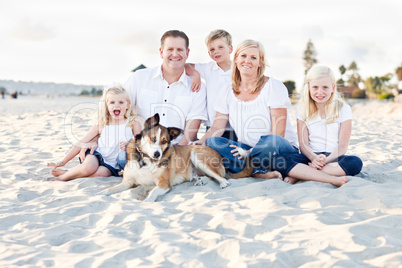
(116, 126)
(324, 125)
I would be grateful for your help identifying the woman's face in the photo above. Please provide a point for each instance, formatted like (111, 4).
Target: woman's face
(248, 61)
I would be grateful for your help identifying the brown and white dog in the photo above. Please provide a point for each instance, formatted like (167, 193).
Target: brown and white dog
(153, 161)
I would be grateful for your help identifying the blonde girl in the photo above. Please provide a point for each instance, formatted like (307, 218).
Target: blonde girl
(324, 126)
(115, 127)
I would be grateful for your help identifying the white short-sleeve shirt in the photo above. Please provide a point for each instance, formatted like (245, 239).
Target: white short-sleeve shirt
(252, 119)
(324, 137)
(216, 80)
(175, 103)
(109, 141)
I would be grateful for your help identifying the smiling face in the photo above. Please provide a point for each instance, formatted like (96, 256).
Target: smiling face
(219, 50)
(174, 53)
(248, 61)
(321, 90)
(117, 105)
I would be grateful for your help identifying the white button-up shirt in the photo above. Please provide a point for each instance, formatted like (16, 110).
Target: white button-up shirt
(216, 80)
(175, 103)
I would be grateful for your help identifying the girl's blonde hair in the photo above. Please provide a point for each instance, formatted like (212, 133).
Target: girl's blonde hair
(309, 109)
(236, 79)
(103, 113)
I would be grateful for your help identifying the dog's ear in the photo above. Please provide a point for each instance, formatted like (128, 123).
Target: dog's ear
(152, 121)
(174, 132)
(138, 137)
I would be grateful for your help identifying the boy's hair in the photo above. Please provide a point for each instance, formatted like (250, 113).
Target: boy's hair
(309, 109)
(175, 34)
(219, 34)
(236, 79)
(103, 113)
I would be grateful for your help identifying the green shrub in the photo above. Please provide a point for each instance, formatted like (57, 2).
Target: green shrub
(386, 96)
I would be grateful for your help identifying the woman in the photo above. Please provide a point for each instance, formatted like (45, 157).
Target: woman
(256, 106)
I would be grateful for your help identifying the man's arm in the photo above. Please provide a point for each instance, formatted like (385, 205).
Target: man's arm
(190, 132)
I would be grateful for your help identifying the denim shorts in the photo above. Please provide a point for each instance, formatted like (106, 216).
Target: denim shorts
(351, 165)
(114, 171)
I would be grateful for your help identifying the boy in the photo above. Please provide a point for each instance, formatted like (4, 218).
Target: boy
(217, 73)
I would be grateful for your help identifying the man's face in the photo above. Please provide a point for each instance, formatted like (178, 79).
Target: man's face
(174, 53)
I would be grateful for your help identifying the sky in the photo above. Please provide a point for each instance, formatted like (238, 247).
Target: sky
(98, 42)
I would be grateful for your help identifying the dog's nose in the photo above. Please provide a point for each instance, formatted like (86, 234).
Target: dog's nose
(157, 154)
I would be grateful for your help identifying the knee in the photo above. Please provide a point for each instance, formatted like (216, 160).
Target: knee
(216, 142)
(356, 163)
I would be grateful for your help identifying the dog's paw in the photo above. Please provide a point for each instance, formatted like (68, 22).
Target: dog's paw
(224, 184)
(242, 152)
(200, 181)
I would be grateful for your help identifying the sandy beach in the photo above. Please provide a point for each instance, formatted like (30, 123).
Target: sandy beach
(252, 223)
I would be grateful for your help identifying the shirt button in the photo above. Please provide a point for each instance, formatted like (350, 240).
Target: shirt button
(163, 114)
(167, 86)
(165, 100)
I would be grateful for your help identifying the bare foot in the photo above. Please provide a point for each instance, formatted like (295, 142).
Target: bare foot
(269, 175)
(290, 180)
(339, 181)
(58, 172)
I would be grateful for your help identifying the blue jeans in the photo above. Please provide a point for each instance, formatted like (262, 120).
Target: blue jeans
(122, 159)
(261, 155)
(351, 165)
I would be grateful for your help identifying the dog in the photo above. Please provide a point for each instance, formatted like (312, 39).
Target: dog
(152, 161)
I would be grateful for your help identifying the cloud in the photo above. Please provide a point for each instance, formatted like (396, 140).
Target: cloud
(146, 42)
(27, 30)
(313, 32)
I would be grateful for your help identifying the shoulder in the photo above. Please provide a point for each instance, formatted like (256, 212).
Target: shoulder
(346, 112)
(275, 90)
(276, 84)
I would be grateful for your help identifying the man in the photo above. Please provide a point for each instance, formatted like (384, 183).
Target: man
(166, 89)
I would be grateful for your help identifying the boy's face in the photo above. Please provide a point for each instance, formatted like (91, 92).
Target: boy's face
(174, 53)
(219, 50)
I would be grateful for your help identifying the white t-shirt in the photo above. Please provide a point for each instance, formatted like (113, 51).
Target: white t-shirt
(325, 137)
(109, 140)
(216, 80)
(252, 119)
(175, 103)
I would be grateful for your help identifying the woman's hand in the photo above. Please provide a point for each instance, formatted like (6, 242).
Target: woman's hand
(238, 151)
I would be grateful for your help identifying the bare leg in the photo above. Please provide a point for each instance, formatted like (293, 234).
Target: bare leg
(333, 169)
(304, 172)
(86, 169)
(101, 172)
(268, 175)
(290, 180)
(57, 172)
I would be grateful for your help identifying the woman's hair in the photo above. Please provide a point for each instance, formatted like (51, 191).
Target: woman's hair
(236, 78)
(309, 109)
(219, 34)
(103, 113)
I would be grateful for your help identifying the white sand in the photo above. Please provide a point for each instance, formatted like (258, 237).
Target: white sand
(252, 223)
